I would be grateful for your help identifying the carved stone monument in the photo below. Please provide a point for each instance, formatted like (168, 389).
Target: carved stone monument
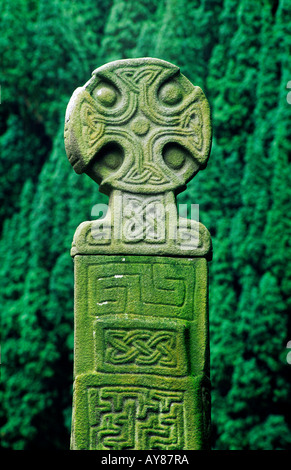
(141, 130)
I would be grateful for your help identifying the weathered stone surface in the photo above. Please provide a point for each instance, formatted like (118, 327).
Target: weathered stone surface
(141, 329)
(136, 231)
(141, 130)
(126, 412)
(141, 353)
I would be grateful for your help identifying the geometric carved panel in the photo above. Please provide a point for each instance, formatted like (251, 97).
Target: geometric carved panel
(135, 418)
(140, 346)
(151, 287)
(139, 412)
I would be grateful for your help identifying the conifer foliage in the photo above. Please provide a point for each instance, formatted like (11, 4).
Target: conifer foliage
(239, 53)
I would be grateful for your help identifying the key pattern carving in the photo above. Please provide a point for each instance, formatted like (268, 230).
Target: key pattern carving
(135, 418)
(148, 288)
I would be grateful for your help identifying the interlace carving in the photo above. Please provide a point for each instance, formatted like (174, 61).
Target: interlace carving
(143, 347)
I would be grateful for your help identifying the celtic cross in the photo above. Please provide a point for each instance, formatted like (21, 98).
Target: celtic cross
(141, 130)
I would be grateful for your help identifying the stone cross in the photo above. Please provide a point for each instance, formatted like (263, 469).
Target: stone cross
(141, 130)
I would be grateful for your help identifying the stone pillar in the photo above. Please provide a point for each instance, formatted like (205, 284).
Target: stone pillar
(141, 130)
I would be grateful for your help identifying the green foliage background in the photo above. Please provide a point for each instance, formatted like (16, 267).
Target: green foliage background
(239, 53)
